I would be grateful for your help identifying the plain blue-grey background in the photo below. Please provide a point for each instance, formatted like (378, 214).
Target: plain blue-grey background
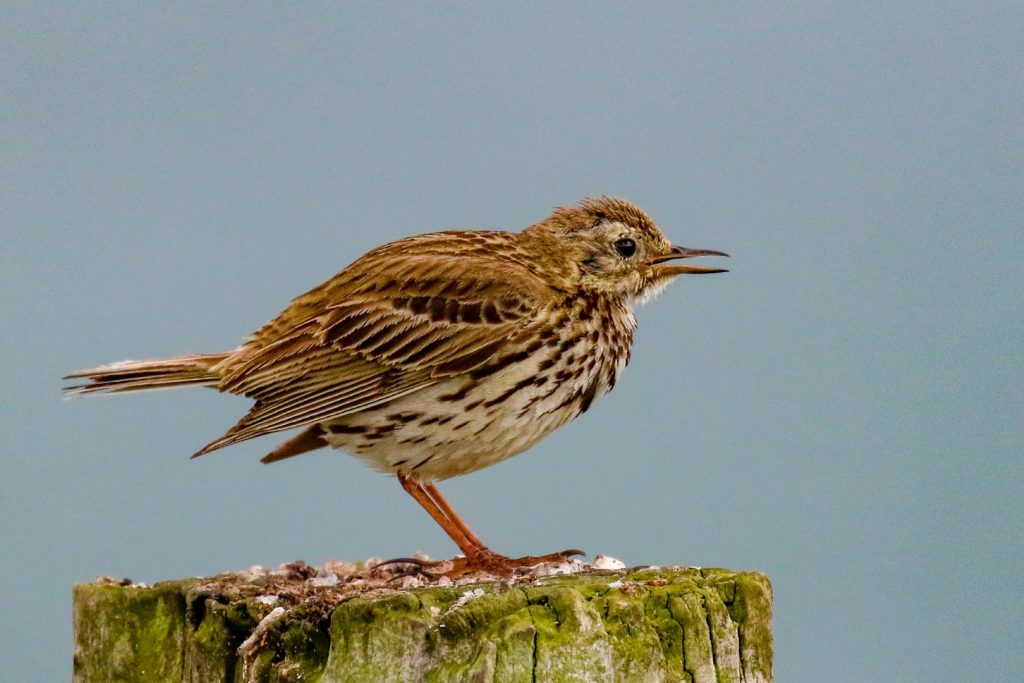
(843, 410)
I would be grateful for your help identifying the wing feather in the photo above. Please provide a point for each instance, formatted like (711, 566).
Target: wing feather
(400, 319)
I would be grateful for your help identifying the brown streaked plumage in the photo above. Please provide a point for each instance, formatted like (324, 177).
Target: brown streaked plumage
(443, 353)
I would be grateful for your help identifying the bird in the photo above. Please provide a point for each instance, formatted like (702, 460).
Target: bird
(440, 354)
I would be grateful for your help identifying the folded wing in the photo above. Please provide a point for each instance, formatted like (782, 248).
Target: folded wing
(400, 319)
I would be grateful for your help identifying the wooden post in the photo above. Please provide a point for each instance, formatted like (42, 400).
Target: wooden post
(646, 624)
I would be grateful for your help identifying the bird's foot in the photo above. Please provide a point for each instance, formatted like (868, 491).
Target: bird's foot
(490, 562)
(485, 561)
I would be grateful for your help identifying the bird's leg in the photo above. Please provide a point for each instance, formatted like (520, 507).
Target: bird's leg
(441, 503)
(430, 499)
(477, 555)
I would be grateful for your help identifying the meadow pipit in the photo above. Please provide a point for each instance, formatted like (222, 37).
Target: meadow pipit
(441, 354)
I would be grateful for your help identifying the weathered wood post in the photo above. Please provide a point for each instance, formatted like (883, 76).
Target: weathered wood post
(302, 624)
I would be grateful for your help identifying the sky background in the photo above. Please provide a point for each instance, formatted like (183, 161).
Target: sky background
(844, 410)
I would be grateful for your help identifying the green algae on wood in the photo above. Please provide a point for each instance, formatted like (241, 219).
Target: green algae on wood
(648, 624)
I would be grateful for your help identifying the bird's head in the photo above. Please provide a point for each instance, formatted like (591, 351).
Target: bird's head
(609, 245)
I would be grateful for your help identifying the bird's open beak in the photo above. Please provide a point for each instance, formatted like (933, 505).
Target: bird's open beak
(683, 252)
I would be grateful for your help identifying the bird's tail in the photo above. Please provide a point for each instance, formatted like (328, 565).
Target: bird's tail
(142, 375)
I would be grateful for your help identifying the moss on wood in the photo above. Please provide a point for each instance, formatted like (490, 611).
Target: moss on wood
(648, 624)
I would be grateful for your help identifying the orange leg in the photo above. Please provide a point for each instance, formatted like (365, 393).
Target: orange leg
(436, 496)
(437, 507)
(477, 556)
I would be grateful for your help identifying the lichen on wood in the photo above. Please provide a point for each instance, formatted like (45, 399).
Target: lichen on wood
(303, 624)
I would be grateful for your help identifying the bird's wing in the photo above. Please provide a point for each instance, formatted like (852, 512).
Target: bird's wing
(390, 324)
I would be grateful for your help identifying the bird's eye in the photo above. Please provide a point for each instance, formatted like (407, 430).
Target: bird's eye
(625, 246)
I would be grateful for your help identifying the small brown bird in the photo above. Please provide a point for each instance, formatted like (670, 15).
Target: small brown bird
(440, 354)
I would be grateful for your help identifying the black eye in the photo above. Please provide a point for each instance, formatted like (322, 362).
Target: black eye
(625, 246)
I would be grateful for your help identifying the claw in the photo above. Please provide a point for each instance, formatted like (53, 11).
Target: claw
(400, 560)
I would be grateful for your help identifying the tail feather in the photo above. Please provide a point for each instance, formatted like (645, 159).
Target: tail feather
(143, 375)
